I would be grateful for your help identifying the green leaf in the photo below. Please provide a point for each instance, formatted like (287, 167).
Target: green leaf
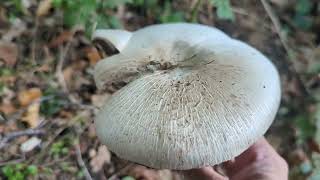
(169, 16)
(114, 3)
(303, 22)
(57, 3)
(305, 128)
(77, 12)
(303, 7)
(32, 170)
(80, 174)
(54, 104)
(19, 176)
(224, 10)
(103, 22)
(6, 71)
(7, 170)
(114, 22)
(19, 166)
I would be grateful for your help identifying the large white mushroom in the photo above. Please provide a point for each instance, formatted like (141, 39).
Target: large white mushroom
(191, 95)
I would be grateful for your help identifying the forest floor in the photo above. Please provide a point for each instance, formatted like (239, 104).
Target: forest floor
(48, 98)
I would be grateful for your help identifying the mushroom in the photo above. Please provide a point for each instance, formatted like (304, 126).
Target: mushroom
(189, 95)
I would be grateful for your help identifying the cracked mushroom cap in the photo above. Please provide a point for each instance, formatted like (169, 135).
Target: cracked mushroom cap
(190, 96)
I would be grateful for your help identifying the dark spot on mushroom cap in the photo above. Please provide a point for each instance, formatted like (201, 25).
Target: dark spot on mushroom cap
(264, 86)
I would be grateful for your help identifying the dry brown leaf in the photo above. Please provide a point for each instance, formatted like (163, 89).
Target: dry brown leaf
(65, 36)
(26, 97)
(92, 131)
(103, 156)
(31, 117)
(44, 68)
(8, 79)
(44, 7)
(67, 74)
(99, 99)
(8, 53)
(7, 108)
(93, 55)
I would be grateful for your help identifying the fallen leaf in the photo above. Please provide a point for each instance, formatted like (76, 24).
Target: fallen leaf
(66, 114)
(99, 99)
(9, 80)
(6, 105)
(30, 144)
(92, 131)
(8, 53)
(7, 108)
(93, 55)
(103, 156)
(44, 68)
(63, 37)
(67, 74)
(26, 97)
(44, 7)
(16, 29)
(31, 117)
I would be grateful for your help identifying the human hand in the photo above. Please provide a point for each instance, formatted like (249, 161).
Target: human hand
(259, 162)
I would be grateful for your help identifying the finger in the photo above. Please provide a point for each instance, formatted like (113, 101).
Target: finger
(249, 156)
(206, 173)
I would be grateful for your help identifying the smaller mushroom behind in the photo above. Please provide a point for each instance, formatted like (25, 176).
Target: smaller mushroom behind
(191, 96)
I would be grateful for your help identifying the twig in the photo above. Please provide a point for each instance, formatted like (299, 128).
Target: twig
(10, 136)
(15, 161)
(195, 10)
(59, 73)
(81, 163)
(60, 77)
(277, 25)
(43, 151)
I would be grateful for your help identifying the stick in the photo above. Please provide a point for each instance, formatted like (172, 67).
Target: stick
(275, 21)
(81, 163)
(10, 136)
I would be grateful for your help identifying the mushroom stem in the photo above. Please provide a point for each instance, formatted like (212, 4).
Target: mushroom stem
(115, 38)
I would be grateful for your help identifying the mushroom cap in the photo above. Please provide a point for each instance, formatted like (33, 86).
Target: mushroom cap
(193, 97)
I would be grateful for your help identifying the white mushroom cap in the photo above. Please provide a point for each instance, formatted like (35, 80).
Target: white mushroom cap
(194, 97)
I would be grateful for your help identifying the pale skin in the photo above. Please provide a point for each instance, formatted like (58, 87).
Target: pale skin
(260, 161)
